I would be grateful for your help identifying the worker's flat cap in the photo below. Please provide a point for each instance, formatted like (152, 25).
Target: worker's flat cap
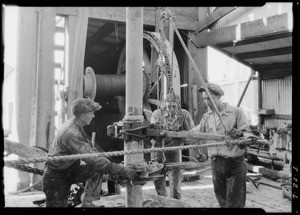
(214, 88)
(83, 105)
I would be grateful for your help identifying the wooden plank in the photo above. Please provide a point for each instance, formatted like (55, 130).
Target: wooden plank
(264, 154)
(275, 66)
(67, 11)
(265, 38)
(215, 16)
(118, 14)
(76, 74)
(266, 53)
(275, 73)
(247, 30)
(282, 116)
(70, 25)
(265, 111)
(23, 150)
(269, 173)
(186, 165)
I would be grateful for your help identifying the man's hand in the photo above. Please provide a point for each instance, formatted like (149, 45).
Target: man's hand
(235, 133)
(129, 173)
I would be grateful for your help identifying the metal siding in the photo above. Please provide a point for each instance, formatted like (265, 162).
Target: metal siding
(277, 95)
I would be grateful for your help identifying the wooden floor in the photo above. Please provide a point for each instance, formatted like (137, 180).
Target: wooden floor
(195, 194)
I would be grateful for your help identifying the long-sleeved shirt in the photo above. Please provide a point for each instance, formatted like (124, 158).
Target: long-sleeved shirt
(178, 122)
(71, 139)
(233, 117)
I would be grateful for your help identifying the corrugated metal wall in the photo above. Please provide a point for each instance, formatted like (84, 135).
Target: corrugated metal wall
(277, 95)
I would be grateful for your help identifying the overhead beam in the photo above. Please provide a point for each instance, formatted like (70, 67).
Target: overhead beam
(275, 66)
(247, 30)
(257, 39)
(275, 73)
(215, 16)
(118, 14)
(99, 35)
(265, 53)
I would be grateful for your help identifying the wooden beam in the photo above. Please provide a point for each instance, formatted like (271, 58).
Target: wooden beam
(275, 73)
(23, 150)
(258, 39)
(247, 30)
(215, 16)
(76, 74)
(266, 53)
(184, 20)
(99, 35)
(265, 111)
(186, 165)
(281, 116)
(275, 66)
(267, 172)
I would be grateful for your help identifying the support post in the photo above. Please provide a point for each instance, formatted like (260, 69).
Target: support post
(134, 97)
(245, 89)
(260, 117)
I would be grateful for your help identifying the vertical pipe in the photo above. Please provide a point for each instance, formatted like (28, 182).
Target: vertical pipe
(134, 94)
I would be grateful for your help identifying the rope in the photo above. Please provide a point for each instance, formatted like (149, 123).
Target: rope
(105, 154)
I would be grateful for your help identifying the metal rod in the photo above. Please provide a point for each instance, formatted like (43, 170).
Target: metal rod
(245, 88)
(200, 76)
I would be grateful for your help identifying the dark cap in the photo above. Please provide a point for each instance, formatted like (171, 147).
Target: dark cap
(83, 105)
(214, 88)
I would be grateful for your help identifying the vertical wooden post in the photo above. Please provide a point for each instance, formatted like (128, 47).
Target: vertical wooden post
(134, 91)
(44, 127)
(260, 117)
(200, 57)
(25, 73)
(76, 73)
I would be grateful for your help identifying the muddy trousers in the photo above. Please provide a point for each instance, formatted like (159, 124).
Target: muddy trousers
(229, 180)
(57, 184)
(174, 175)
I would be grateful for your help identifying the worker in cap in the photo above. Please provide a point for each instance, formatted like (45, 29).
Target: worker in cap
(229, 186)
(70, 140)
(213, 88)
(172, 118)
